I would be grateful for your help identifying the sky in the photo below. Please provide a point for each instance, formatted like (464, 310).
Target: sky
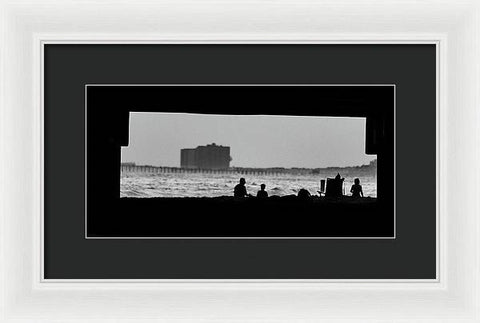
(255, 141)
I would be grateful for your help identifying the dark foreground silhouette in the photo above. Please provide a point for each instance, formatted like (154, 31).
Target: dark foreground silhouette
(228, 216)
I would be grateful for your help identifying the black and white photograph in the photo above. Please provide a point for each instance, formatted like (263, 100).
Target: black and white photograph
(228, 157)
(241, 161)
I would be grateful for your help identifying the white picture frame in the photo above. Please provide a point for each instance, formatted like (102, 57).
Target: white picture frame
(453, 26)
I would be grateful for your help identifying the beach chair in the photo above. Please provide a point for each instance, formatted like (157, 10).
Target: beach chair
(334, 187)
(322, 188)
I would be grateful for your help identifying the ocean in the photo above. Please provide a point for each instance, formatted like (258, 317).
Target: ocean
(146, 185)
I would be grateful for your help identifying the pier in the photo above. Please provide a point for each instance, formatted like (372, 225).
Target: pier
(370, 169)
(126, 168)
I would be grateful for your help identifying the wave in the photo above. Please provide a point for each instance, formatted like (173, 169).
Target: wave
(211, 185)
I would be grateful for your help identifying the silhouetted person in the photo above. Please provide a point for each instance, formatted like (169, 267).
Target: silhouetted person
(240, 190)
(356, 189)
(304, 194)
(262, 193)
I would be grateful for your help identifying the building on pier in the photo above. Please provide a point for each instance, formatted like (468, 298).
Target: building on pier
(188, 158)
(206, 157)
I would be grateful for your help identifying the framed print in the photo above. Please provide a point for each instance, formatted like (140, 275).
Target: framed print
(239, 162)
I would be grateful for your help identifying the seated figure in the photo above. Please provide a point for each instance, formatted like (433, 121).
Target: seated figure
(356, 189)
(240, 190)
(303, 194)
(262, 193)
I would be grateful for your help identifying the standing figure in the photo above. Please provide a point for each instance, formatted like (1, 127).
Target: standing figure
(356, 189)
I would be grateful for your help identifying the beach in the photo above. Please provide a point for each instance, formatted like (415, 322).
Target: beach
(149, 185)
